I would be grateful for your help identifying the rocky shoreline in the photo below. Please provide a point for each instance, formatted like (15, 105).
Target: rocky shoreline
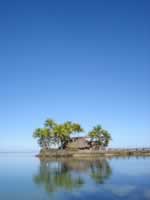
(93, 153)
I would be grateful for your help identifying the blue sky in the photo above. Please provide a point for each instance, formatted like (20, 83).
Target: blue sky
(85, 61)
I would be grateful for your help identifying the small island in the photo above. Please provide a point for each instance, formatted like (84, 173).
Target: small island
(65, 140)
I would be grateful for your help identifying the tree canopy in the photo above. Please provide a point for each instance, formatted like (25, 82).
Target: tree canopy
(100, 135)
(56, 133)
(53, 132)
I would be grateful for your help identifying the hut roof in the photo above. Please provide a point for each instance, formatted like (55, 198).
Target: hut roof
(81, 143)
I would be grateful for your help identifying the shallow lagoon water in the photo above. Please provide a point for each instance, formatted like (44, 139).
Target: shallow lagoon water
(22, 176)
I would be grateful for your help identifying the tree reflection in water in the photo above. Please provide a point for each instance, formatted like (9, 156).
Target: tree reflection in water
(68, 173)
(100, 171)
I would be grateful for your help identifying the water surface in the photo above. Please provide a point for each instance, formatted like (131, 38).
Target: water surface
(22, 176)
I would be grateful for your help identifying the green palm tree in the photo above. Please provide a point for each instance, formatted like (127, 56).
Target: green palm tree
(56, 133)
(100, 135)
(43, 136)
(107, 137)
(65, 130)
(50, 123)
(62, 134)
(68, 126)
(77, 128)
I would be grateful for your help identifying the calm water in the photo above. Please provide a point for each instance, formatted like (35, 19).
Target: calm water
(27, 178)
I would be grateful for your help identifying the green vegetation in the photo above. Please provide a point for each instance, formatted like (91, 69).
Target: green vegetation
(60, 134)
(53, 133)
(100, 135)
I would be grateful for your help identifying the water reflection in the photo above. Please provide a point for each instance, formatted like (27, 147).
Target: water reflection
(54, 175)
(24, 177)
(70, 174)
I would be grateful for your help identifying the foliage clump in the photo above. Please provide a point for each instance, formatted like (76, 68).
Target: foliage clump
(100, 135)
(54, 133)
(60, 135)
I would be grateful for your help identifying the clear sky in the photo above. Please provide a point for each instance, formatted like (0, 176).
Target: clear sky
(82, 60)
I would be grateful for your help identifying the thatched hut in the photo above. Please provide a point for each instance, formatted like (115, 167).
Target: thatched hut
(78, 143)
